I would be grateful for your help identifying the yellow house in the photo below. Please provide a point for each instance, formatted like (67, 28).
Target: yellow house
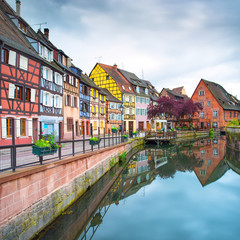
(109, 77)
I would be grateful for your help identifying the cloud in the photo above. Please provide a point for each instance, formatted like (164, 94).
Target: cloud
(173, 43)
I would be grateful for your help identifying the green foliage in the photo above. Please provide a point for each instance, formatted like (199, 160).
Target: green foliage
(47, 141)
(122, 157)
(114, 128)
(95, 139)
(233, 122)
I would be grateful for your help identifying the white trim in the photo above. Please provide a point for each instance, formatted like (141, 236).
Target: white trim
(4, 128)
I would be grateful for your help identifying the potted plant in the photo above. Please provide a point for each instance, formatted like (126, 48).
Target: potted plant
(125, 136)
(114, 129)
(94, 141)
(134, 133)
(46, 145)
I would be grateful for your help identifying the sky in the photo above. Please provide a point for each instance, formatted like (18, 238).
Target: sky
(171, 43)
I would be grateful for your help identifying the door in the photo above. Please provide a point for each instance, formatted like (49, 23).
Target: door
(76, 126)
(130, 126)
(202, 125)
(35, 129)
(141, 126)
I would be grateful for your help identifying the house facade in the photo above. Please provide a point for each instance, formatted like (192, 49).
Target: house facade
(142, 99)
(20, 70)
(109, 77)
(114, 109)
(219, 107)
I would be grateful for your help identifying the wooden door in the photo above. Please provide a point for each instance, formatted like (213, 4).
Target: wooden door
(130, 126)
(35, 129)
(141, 126)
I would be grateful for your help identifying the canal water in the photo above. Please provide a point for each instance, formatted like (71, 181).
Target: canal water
(187, 191)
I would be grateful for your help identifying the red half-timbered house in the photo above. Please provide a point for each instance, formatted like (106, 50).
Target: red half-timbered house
(50, 76)
(19, 81)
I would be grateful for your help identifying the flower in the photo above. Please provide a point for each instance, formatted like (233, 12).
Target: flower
(48, 141)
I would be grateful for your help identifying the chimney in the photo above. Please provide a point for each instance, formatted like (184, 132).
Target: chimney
(18, 8)
(46, 33)
(115, 66)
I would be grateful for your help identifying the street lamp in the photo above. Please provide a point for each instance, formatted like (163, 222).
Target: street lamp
(121, 108)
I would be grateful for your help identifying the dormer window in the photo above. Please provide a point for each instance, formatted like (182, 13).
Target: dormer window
(146, 91)
(22, 27)
(137, 89)
(107, 77)
(130, 88)
(59, 58)
(45, 53)
(123, 87)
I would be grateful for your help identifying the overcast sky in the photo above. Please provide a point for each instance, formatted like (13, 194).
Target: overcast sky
(171, 43)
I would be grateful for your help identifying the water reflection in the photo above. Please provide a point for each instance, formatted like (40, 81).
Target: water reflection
(205, 158)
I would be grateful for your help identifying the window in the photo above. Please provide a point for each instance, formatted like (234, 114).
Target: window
(4, 56)
(215, 151)
(201, 114)
(208, 103)
(75, 102)
(27, 94)
(130, 88)
(130, 99)
(202, 172)
(230, 114)
(215, 124)
(101, 124)
(137, 89)
(202, 103)
(23, 63)
(58, 79)
(201, 93)
(137, 99)
(68, 100)
(130, 111)
(23, 127)
(12, 58)
(107, 77)
(95, 125)
(47, 73)
(9, 127)
(18, 92)
(123, 87)
(214, 113)
(146, 91)
(59, 58)
(69, 124)
(209, 162)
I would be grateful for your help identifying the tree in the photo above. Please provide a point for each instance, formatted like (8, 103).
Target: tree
(173, 108)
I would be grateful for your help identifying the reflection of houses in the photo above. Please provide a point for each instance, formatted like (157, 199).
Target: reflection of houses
(212, 154)
(219, 107)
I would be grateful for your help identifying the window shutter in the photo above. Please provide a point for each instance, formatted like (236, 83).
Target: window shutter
(96, 109)
(11, 90)
(51, 75)
(17, 121)
(50, 100)
(55, 101)
(41, 96)
(4, 128)
(66, 100)
(91, 108)
(60, 77)
(30, 127)
(60, 102)
(12, 58)
(92, 91)
(78, 102)
(44, 72)
(23, 63)
(72, 101)
(104, 110)
(33, 95)
(76, 82)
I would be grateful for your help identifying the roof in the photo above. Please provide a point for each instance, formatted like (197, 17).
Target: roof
(109, 96)
(132, 78)
(118, 77)
(173, 94)
(226, 100)
(91, 83)
(179, 90)
(10, 36)
(152, 91)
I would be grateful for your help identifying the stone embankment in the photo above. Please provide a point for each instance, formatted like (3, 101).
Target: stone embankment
(32, 198)
(233, 137)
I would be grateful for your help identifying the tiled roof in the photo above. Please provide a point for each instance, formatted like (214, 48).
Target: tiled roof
(86, 79)
(109, 96)
(152, 91)
(118, 77)
(132, 78)
(226, 100)
(178, 90)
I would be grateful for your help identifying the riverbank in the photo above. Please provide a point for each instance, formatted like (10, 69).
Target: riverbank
(33, 197)
(233, 137)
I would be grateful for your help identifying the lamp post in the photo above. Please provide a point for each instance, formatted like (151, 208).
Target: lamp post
(121, 108)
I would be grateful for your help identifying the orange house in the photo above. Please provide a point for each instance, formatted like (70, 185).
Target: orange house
(219, 107)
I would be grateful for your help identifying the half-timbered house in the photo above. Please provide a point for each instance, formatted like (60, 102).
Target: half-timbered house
(50, 83)
(19, 81)
(109, 77)
(113, 111)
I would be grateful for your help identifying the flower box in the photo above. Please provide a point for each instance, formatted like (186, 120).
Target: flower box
(42, 151)
(94, 142)
(114, 130)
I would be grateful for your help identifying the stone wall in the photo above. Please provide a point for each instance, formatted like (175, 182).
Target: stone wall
(233, 137)
(33, 197)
